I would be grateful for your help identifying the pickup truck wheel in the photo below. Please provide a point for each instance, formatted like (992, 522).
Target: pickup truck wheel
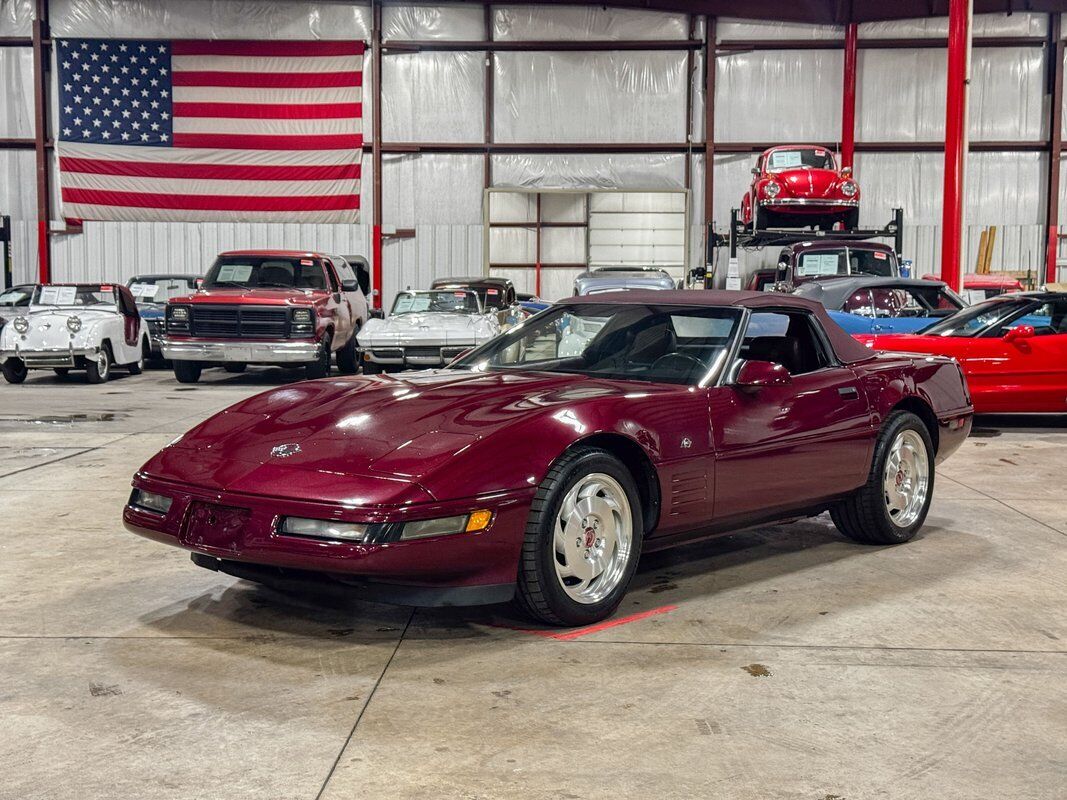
(14, 370)
(98, 369)
(321, 368)
(348, 356)
(187, 371)
(235, 367)
(892, 506)
(583, 539)
(62, 372)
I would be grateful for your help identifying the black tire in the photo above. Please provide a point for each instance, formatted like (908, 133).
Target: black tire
(61, 372)
(760, 219)
(540, 591)
(851, 220)
(187, 371)
(348, 356)
(14, 370)
(321, 368)
(235, 367)
(372, 368)
(99, 370)
(865, 517)
(137, 367)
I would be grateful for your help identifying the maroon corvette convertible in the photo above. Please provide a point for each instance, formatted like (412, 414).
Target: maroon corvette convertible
(541, 464)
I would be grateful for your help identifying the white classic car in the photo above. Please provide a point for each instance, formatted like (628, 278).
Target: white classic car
(90, 326)
(426, 328)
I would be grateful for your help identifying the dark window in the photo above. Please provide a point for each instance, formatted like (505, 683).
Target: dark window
(266, 272)
(786, 338)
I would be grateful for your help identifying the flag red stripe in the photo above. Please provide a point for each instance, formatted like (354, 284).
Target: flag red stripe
(219, 172)
(224, 47)
(209, 202)
(245, 141)
(269, 110)
(267, 80)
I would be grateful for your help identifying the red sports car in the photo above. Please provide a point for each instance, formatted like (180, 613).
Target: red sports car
(542, 463)
(1013, 350)
(794, 186)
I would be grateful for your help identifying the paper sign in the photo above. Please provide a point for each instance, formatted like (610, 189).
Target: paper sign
(818, 264)
(145, 290)
(234, 273)
(880, 256)
(57, 295)
(782, 159)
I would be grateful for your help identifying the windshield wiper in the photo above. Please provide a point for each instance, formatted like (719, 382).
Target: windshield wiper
(238, 284)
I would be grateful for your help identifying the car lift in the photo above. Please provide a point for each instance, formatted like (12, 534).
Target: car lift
(742, 235)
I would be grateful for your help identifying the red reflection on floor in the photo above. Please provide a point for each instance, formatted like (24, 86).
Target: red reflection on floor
(600, 626)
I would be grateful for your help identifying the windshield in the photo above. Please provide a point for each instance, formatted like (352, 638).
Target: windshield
(446, 301)
(157, 290)
(16, 296)
(979, 318)
(266, 272)
(664, 344)
(83, 294)
(800, 158)
(846, 261)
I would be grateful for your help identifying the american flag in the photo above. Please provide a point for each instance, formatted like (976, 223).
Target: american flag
(210, 130)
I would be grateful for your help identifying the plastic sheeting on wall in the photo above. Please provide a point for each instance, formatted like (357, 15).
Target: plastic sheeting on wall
(1013, 24)
(210, 19)
(16, 92)
(573, 22)
(788, 96)
(591, 97)
(432, 188)
(901, 94)
(728, 29)
(585, 171)
(16, 17)
(455, 22)
(430, 96)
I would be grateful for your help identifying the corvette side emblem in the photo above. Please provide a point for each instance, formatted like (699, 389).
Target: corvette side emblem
(687, 443)
(285, 450)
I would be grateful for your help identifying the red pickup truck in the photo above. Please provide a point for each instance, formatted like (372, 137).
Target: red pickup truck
(275, 307)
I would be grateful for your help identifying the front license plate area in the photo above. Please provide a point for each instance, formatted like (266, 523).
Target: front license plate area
(215, 526)
(239, 353)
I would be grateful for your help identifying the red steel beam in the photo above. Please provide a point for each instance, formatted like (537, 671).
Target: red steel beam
(848, 97)
(376, 142)
(959, 35)
(1052, 206)
(40, 127)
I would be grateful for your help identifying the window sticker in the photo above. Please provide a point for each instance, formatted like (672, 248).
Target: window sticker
(782, 159)
(820, 152)
(57, 295)
(234, 273)
(819, 264)
(880, 256)
(144, 290)
(306, 262)
(491, 291)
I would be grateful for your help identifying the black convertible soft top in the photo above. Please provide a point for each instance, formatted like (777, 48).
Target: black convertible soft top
(835, 292)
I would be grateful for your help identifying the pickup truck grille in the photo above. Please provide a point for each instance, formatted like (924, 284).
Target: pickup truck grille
(240, 322)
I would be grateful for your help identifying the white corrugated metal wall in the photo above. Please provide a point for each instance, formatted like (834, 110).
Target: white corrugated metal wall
(558, 97)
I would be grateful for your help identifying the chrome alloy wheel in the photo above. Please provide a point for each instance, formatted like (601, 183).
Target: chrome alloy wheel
(906, 480)
(593, 538)
(103, 363)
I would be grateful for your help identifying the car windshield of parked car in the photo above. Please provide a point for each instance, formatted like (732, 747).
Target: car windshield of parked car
(995, 317)
(266, 272)
(83, 294)
(449, 301)
(654, 343)
(16, 296)
(800, 158)
(158, 290)
(888, 301)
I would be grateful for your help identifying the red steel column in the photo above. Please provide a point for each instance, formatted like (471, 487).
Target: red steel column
(959, 51)
(848, 96)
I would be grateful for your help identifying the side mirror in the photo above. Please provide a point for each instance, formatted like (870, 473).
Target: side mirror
(757, 374)
(755, 171)
(846, 172)
(1019, 332)
(350, 286)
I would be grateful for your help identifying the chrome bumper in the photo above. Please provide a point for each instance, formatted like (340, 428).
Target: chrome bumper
(399, 356)
(810, 202)
(245, 352)
(50, 357)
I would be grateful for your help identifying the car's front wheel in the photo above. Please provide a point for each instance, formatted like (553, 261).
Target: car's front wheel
(583, 539)
(892, 506)
(320, 368)
(14, 370)
(187, 371)
(98, 367)
(348, 356)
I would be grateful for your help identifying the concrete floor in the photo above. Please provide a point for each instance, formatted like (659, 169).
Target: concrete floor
(794, 664)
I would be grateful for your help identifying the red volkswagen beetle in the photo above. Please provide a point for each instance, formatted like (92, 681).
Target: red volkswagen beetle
(794, 186)
(544, 462)
(1013, 350)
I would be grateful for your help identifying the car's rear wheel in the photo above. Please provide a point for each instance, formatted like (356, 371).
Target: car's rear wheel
(893, 504)
(14, 370)
(62, 372)
(187, 371)
(583, 539)
(321, 367)
(98, 368)
(348, 356)
(235, 367)
(137, 367)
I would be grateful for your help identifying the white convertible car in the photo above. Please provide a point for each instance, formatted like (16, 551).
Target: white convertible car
(93, 327)
(426, 329)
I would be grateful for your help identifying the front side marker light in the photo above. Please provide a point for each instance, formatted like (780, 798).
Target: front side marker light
(150, 501)
(445, 526)
(479, 520)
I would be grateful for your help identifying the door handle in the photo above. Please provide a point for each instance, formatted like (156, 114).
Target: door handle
(849, 392)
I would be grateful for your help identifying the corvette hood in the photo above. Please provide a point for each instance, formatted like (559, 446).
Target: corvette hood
(437, 328)
(808, 182)
(386, 429)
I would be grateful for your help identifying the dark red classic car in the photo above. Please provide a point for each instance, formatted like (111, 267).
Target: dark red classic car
(544, 462)
(794, 186)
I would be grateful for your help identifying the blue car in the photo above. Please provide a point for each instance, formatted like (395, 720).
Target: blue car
(152, 293)
(883, 305)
